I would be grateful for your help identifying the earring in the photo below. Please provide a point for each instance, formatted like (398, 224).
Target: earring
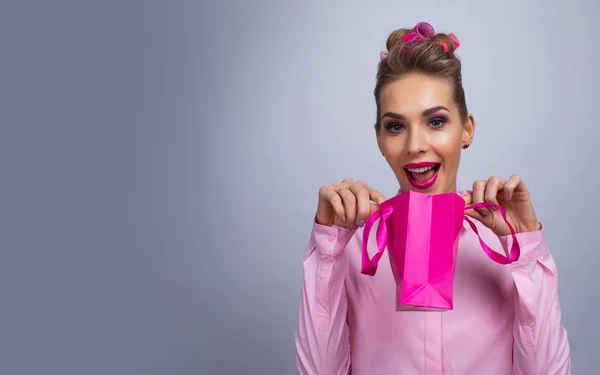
(465, 146)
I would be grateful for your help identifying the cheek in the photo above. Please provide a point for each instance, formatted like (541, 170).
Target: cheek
(392, 147)
(393, 151)
(447, 146)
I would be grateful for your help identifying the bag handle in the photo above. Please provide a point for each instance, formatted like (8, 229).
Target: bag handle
(369, 265)
(515, 251)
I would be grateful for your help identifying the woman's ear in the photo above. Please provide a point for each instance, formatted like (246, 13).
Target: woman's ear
(468, 132)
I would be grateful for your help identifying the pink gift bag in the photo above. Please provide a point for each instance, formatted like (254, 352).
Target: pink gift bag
(421, 233)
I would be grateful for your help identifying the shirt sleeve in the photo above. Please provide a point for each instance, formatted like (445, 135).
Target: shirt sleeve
(540, 346)
(322, 336)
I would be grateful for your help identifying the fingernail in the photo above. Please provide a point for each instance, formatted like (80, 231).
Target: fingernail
(344, 219)
(507, 195)
(494, 208)
(484, 213)
(352, 227)
(361, 223)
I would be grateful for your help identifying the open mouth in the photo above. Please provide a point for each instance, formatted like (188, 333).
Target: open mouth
(422, 175)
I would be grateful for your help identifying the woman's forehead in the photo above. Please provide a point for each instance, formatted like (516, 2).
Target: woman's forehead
(414, 93)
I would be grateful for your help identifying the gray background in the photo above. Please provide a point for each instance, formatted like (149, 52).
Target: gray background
(160, 165)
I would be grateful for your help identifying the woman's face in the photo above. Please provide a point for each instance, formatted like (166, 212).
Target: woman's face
(421, 134)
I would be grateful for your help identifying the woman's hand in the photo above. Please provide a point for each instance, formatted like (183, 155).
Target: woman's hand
(347, 204)
(512, 195)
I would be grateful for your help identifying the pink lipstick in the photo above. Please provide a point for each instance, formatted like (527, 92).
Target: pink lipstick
(422, 175)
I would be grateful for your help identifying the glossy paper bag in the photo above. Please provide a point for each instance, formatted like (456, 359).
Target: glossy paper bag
(421, 232)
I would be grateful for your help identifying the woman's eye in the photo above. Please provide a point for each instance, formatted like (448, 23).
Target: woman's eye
(394, 127)
(437, 123)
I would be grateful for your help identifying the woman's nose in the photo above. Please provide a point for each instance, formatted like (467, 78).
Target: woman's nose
(416, 142)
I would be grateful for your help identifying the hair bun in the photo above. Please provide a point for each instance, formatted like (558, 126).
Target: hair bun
(422, 32)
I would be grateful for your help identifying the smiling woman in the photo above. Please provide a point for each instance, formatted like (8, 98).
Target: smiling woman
(507, 319)
(424, 130)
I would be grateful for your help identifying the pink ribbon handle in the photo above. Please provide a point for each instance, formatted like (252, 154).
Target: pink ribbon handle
(369, 265)
(515, 251)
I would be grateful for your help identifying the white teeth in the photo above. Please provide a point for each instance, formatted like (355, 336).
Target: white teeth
(420, 170)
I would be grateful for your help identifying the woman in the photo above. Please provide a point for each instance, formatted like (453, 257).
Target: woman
(506, 319)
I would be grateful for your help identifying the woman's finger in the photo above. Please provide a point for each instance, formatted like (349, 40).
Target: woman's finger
(363, 202)
(376, 196)
(479, 196)
(349, 201)
(474, 214)
(347, 182)
(467, 197)
(330, 196)
(509, 188)
(493, 185)
(373, 207)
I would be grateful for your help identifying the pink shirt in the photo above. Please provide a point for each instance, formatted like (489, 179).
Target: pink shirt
(506, 318)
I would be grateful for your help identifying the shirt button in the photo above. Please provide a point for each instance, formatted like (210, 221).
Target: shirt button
(330, 239)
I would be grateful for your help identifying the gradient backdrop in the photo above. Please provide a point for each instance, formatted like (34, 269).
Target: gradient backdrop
(161, 160)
